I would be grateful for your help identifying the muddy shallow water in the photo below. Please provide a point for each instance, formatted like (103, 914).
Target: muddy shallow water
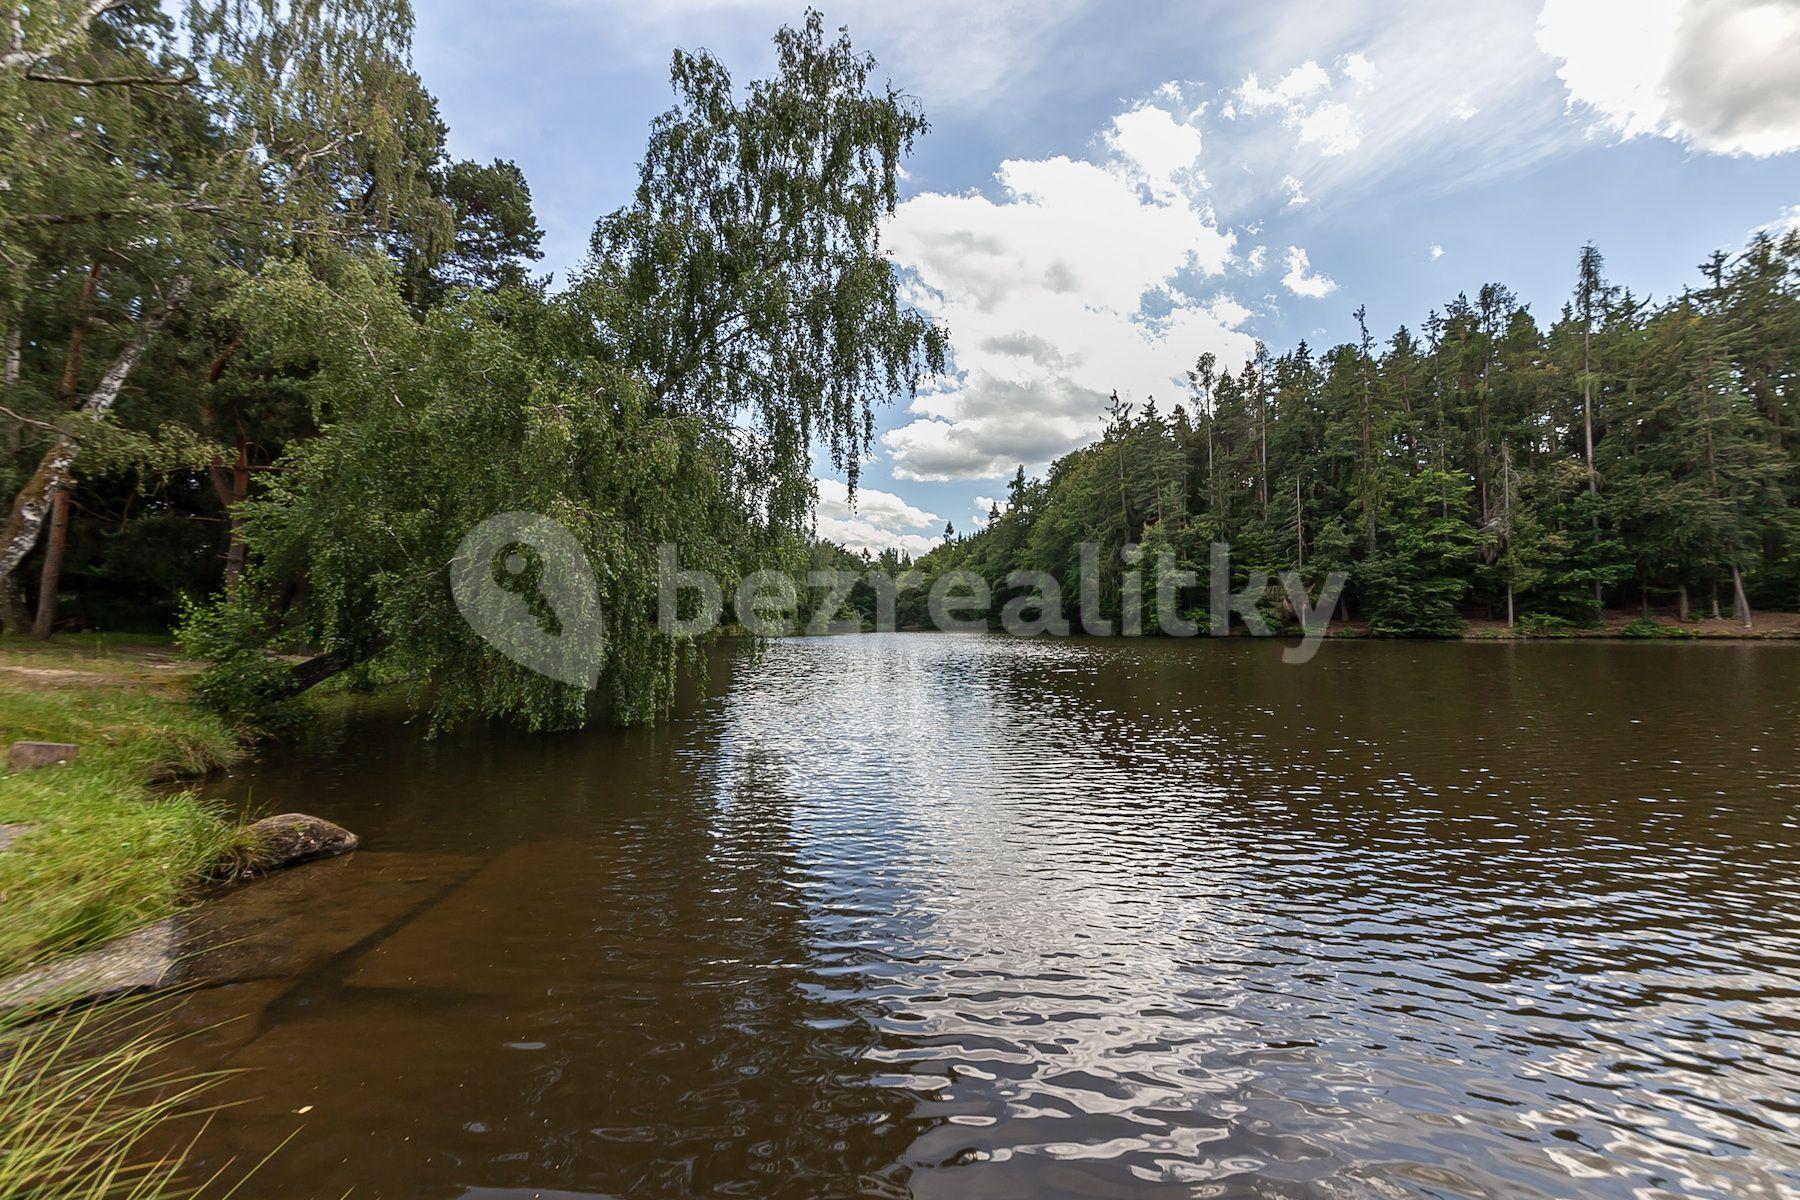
(965, 916)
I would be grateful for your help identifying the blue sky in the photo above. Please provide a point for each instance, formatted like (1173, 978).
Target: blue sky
(1144, 182)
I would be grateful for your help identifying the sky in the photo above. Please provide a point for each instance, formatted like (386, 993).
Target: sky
(1109, 190)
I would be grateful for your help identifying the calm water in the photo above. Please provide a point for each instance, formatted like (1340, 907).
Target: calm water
(962, 916)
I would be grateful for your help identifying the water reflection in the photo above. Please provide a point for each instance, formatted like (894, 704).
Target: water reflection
(963, 916)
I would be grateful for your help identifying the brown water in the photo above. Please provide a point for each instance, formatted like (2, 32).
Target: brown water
(964, 916)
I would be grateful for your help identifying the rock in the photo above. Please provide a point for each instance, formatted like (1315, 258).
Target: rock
(138, 962)
(295, 838)
(12, 833)
(31, 756)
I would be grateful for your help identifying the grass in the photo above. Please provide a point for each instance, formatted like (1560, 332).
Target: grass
(103, 851)
(85, 1113)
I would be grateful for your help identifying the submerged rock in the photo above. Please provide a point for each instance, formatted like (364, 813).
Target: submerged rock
(138, 962)
(32, 756)
(295, 838)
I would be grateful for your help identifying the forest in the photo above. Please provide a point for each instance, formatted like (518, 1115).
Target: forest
(1630, 454)
(270, 353)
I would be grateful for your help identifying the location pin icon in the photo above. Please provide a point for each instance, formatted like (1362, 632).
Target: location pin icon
(500, 564)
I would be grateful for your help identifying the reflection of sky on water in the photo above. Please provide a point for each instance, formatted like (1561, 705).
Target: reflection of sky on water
(1177, 919)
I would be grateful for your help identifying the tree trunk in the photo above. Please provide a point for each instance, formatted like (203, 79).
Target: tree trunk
(1715, 601)
(13, 613)
(1740, 599)
(15, 358)
(1511, 616)
(240, 491)
(51, 576)
(1686, 607)
(1587, 421)
(19, 535)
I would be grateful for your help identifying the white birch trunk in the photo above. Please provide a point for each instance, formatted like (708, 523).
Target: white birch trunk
(32, 506)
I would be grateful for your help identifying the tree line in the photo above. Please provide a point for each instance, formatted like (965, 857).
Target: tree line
(1630, 454)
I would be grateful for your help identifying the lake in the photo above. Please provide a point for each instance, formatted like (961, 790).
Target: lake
(964, 916)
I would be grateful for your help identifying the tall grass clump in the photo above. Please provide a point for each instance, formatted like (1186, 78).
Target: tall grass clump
(86, 1113)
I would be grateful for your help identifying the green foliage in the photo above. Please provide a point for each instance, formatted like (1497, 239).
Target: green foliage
(1644, 627)
(749, 272)
(1415, 581)
(244, 681)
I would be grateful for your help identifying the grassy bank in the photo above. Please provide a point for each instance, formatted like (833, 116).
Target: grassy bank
(96, 848)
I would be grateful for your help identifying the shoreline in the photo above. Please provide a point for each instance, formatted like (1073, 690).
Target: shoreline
(102, 847)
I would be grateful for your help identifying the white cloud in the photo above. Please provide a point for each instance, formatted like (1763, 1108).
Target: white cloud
(1437, 252)
(1159, 149)
(1303, 81)
(1441, 95)
(1332, 128)
(1359, 70)
(1078, 280)
(1301, 281)
(877, 521)
(1718, 75)
(1328, 125)
(1296, 191)
(984, 506)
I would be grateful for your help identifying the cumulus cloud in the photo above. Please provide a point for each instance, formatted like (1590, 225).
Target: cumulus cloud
(1289, 93)
(1331, 127)
(1437, 252)
(877, 521)
(1160, 149)
(1359, 70)
(1081, 277)
(1296, 191)
(1718, 75)
(1301, 281)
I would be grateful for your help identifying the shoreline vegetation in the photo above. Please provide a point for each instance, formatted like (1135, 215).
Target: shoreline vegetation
(102, 846)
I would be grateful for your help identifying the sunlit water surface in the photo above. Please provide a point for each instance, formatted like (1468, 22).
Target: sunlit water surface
(977, 917)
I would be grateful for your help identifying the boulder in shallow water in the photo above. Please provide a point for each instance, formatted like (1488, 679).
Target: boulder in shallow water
(295, 838)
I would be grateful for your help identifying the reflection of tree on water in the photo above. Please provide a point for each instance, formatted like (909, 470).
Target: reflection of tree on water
(1076, 918)
(620, 996)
